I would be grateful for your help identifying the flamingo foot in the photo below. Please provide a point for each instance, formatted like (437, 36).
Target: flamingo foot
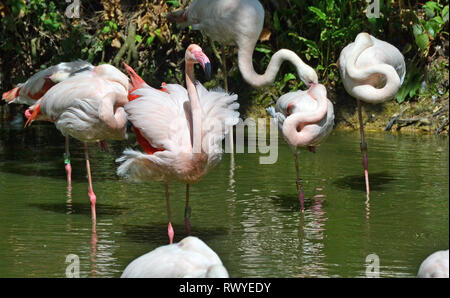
(170, 232)
(187, 221)
(93, 199)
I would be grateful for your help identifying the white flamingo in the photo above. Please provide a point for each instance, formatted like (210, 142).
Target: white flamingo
(189, 258)
(305, 118)
(373, 71)
(240, 22)
(35, 87)
(181, 130)
(88, 107)
(435, 265)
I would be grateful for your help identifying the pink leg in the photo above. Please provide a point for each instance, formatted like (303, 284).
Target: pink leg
(301, 196)
(365, 160)
(103, 145)
(91, 193)
(170, 231)
(187, 212)
(68, 166)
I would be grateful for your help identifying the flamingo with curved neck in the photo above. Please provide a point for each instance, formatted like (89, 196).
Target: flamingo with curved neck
(373, 71)
(305, 118)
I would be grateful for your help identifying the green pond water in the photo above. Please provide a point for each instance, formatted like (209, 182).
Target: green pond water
(248, 213)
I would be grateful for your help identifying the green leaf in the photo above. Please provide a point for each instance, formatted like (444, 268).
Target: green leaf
(173, 3)
(445, 14)
(318, 12)
(276, 21)
(138, 38)
(288, 77)
(422, 41)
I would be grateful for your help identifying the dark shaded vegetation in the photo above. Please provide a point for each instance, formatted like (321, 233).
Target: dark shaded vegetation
(35, 34)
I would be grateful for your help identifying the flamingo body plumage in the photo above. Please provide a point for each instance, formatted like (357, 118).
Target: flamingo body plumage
(435, 265)
(190, 258)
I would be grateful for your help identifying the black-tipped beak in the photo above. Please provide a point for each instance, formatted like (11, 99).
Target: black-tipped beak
(208, 70)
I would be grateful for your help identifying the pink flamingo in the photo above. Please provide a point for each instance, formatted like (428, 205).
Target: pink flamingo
(373, 71)
(305, 118)
(435, 265)
(181, 130)
(88, 107)
(36, 86)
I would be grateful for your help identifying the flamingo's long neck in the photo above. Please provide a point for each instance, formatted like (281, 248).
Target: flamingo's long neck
(290, 125)
(245, 61)
(368, 92)
(195, 108)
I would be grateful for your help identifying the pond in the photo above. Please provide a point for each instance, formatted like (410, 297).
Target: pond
(245, 211)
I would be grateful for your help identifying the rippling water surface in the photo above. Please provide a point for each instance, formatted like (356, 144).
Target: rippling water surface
(247, 212)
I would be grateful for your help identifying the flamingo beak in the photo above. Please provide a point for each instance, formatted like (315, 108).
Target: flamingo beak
(203, 60)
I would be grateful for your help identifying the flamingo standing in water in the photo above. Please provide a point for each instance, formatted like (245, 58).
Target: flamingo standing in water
(373, 71)
(35, 87)
(88, 107)
(435, 265)
(180, 130)
(189, 258)
(305, 118)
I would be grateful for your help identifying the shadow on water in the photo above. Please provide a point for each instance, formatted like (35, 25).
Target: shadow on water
(80, 208)
(157, 233)
(290, 202)
(378, 181)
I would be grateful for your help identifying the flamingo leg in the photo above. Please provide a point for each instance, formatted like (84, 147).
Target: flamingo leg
(170, 231)
(68, 166)
(225, 83)
(187, 212)
(91, 193)
(363, 146)
(298, 183)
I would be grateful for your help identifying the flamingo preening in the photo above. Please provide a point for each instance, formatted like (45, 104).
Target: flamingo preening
(35, 87)
(373, 71)
(305, 118)
(435, 265)
(240, 23)
(181, 130)
(88, 107)
(189, 258)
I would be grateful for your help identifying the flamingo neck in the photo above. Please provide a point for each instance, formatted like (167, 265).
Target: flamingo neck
(196, 132)
(245, 61)
(301, 138)
(365, 91)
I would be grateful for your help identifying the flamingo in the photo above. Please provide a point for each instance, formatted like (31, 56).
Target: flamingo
(36, 86)
(181, 130)
(240, 22)
(305, 118)
(88, 107)
(435, 265)
(190, 258)
(373, 71)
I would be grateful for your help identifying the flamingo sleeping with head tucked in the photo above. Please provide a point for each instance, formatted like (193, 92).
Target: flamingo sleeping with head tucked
(88, 107)
(189, 258)
(181, 130)
(35, 87)
(373, 71)
(305, 118)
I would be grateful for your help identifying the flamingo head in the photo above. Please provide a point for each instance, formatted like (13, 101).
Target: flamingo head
(309, 76)
(194, 54)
